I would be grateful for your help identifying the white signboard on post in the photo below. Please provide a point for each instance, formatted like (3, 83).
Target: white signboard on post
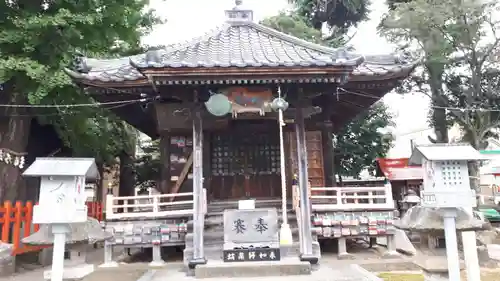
(62, 188)
(62, 199)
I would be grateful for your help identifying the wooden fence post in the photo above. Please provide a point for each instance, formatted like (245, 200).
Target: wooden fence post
(18, 223)
(7, 207)
(100, 208)
(28, 219)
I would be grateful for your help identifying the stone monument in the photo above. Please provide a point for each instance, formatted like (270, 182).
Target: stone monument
(251, 235)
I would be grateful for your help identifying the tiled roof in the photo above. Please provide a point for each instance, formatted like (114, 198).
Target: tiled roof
(397, 169)
(109, 70)
(241, 44)
(381, 65)
(248, 44)
(407, 173)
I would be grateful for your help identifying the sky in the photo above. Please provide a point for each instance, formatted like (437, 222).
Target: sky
(190, 18)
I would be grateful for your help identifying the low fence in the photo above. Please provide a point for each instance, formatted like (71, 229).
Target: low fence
(151, 206)
(353, 198)
(95, 210)
(16, 223)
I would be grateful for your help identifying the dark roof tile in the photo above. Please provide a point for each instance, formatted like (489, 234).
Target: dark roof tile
(247, 44)
(242, 44)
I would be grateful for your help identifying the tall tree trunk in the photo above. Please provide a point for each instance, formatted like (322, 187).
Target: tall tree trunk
(14, 133)
(99, 188)
(474, 165)
(438, 117)
(127, 176)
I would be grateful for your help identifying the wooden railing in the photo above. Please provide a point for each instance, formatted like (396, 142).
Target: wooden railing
(150, 206)
(352, 198)
(16, 223)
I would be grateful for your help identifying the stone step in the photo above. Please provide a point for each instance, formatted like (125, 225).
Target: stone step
(259, 203)
(218, 220)
(284, 267)
(220, 211)
(220, 227)
(219, 216)
(214, 252)
(218, 235)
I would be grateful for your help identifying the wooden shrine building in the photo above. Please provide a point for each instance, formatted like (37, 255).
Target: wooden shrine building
(237, 155)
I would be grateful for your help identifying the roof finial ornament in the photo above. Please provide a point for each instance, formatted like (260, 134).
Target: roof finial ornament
(239, 13)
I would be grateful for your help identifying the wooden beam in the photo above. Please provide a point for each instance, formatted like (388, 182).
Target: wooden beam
(182, 176)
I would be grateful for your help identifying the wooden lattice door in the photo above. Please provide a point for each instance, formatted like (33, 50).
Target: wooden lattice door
(245, 164)
(314, 157)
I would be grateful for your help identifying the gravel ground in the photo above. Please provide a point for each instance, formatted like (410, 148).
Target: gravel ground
(324, 273)
(122, 273)
(34, 272)
(486, 275)
(331, 268)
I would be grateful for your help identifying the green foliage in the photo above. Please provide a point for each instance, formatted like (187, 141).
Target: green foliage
(394, 3)
(360, 142)
(298, 26)
(460, 48)
(294, 24)
(147, 166)
(39, 38)
(339, 15)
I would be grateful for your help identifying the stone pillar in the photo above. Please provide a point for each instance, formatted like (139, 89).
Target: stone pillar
(198, 216)
(343, 254)
(391, 247)
(157, 260)
(305, 209)
(108, 256)
(78, 255)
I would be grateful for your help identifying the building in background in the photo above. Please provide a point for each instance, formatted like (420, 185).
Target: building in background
(403, 143)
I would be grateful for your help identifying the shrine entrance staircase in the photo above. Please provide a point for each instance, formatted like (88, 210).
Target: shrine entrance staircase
(214, 233)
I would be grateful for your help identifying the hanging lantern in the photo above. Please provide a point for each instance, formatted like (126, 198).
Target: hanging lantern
(279, 104)
(218, 105)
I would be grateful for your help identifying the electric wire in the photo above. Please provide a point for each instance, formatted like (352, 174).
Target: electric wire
(64, 112)
(96, 104)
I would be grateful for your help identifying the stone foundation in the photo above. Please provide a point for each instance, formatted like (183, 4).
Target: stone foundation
(7, 261)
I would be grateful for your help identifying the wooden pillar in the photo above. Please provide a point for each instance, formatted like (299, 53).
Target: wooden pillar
(164, 187)
(305, 209)
(328, 144)
(198, 212)
(207, 173)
